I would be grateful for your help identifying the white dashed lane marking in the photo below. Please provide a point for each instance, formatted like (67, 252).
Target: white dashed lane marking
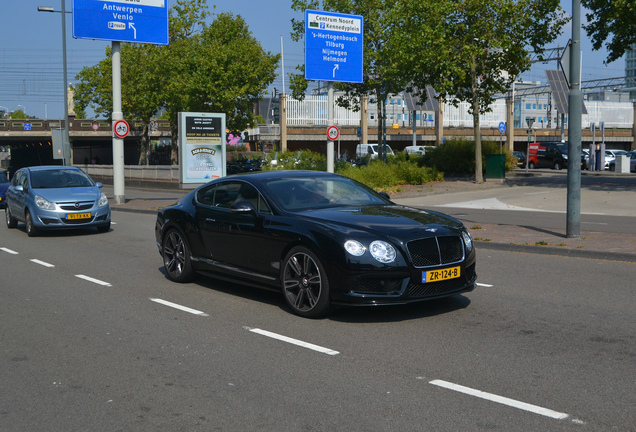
(293, 341)
(93, 280)
(501, 400)
(177, 306)
(42, 263)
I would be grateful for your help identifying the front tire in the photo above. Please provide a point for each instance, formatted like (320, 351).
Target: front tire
(176, 257)
(557, 166)
(305, 284)
(31, 230)
(11, 221)
(531, 165)
(103, 228)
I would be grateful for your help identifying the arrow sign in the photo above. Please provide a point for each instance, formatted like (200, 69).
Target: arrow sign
(333, 41)
(141, 21)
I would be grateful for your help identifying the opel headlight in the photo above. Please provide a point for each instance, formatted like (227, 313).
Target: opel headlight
(103, 200)
(468, 240)
(382, 251)
(43, 203)
(355, 248)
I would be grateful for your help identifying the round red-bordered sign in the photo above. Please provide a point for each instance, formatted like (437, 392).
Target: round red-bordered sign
(121, 128)
(333, 133)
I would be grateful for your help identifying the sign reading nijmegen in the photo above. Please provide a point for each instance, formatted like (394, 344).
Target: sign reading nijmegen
(333, 47)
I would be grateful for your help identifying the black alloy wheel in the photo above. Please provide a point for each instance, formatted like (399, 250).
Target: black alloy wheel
(305, 283)
(176, 257)
(11, 221)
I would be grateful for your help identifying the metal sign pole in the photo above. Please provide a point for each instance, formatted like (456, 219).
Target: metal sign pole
(118, 143)
(330, 122)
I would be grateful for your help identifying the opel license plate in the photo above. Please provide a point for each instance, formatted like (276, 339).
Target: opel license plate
(440, 275)
(74, 216)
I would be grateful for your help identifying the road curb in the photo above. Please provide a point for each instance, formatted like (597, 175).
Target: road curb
(551, 250)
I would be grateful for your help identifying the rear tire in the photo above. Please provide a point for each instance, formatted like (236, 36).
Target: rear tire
(31, 230)
(11, 221)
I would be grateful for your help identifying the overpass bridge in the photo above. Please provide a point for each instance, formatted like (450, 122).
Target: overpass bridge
(91, 139)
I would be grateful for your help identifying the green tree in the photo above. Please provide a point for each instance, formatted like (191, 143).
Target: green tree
(384, 57)
(483, 47)
(218, 68)
(614, 20)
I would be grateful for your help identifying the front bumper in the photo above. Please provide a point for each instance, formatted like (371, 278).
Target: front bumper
(54, 220)
(401, 287)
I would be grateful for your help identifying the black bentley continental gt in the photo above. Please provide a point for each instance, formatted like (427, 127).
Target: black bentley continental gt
(320, 238)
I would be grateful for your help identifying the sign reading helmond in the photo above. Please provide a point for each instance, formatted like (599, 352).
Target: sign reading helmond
(141, 21)
(333, 47)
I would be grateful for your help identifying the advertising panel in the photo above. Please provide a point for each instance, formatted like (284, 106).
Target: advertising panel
(202, 147)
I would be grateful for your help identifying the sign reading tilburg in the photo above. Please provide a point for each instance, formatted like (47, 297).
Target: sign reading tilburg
(333, 47)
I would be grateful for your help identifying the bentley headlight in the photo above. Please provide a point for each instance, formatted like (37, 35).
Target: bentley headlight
(355, 248)
(468, 240)
(382, 251)
(103, 200)
(43, 203)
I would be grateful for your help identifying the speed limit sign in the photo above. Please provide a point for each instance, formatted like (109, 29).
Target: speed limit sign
(333, 133)
(121, 128)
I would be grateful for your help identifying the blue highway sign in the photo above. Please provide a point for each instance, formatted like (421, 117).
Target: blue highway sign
(333, 47)
(502, 127)
(141, 21)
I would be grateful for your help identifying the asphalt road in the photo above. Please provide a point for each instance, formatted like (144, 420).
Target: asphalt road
(94, 337)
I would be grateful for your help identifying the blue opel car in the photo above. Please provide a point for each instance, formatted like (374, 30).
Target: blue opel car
(56, 197)
(4, 185)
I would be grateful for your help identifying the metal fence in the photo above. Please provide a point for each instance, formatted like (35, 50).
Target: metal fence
(312, 111)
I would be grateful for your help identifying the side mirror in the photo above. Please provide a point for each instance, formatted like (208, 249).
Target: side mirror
(19, 188)
(384, 195)
(243, 208)
(99, 185)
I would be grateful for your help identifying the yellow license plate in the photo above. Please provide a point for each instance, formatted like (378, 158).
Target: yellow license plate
(72, 216)
(440, 275)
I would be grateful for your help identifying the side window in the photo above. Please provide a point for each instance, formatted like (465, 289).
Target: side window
(206, 195)
(226, 194)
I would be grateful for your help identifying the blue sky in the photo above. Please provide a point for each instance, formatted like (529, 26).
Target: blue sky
(31, 49)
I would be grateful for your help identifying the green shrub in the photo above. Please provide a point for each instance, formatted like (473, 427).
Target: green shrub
(458, 156)
(379, 175)
(296, 160)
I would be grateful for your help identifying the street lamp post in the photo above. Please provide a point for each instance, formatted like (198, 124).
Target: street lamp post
(66, 145)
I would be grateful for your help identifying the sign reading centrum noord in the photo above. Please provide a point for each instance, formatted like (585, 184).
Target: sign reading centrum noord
(333, 47)
(141, 21)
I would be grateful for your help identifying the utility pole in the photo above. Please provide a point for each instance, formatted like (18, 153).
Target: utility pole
(573, 225)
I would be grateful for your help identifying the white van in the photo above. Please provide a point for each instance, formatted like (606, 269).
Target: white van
(363, 150)
(417, 150)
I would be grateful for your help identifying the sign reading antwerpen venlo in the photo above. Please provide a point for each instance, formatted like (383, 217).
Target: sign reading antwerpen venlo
(141, 21)
(333, 47)
(202, 147)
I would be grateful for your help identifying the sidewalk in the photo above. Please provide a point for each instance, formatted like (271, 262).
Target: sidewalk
(508, 237)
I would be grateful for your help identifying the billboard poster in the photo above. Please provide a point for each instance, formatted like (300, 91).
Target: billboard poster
(202, 147)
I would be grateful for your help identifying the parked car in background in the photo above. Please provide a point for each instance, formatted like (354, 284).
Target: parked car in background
(318, 238)
(610, 158)
(417, 150)
(632, 160)
(371, 150)
(521, 158)
(550, 155)
(4, 185)
(56, 197)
